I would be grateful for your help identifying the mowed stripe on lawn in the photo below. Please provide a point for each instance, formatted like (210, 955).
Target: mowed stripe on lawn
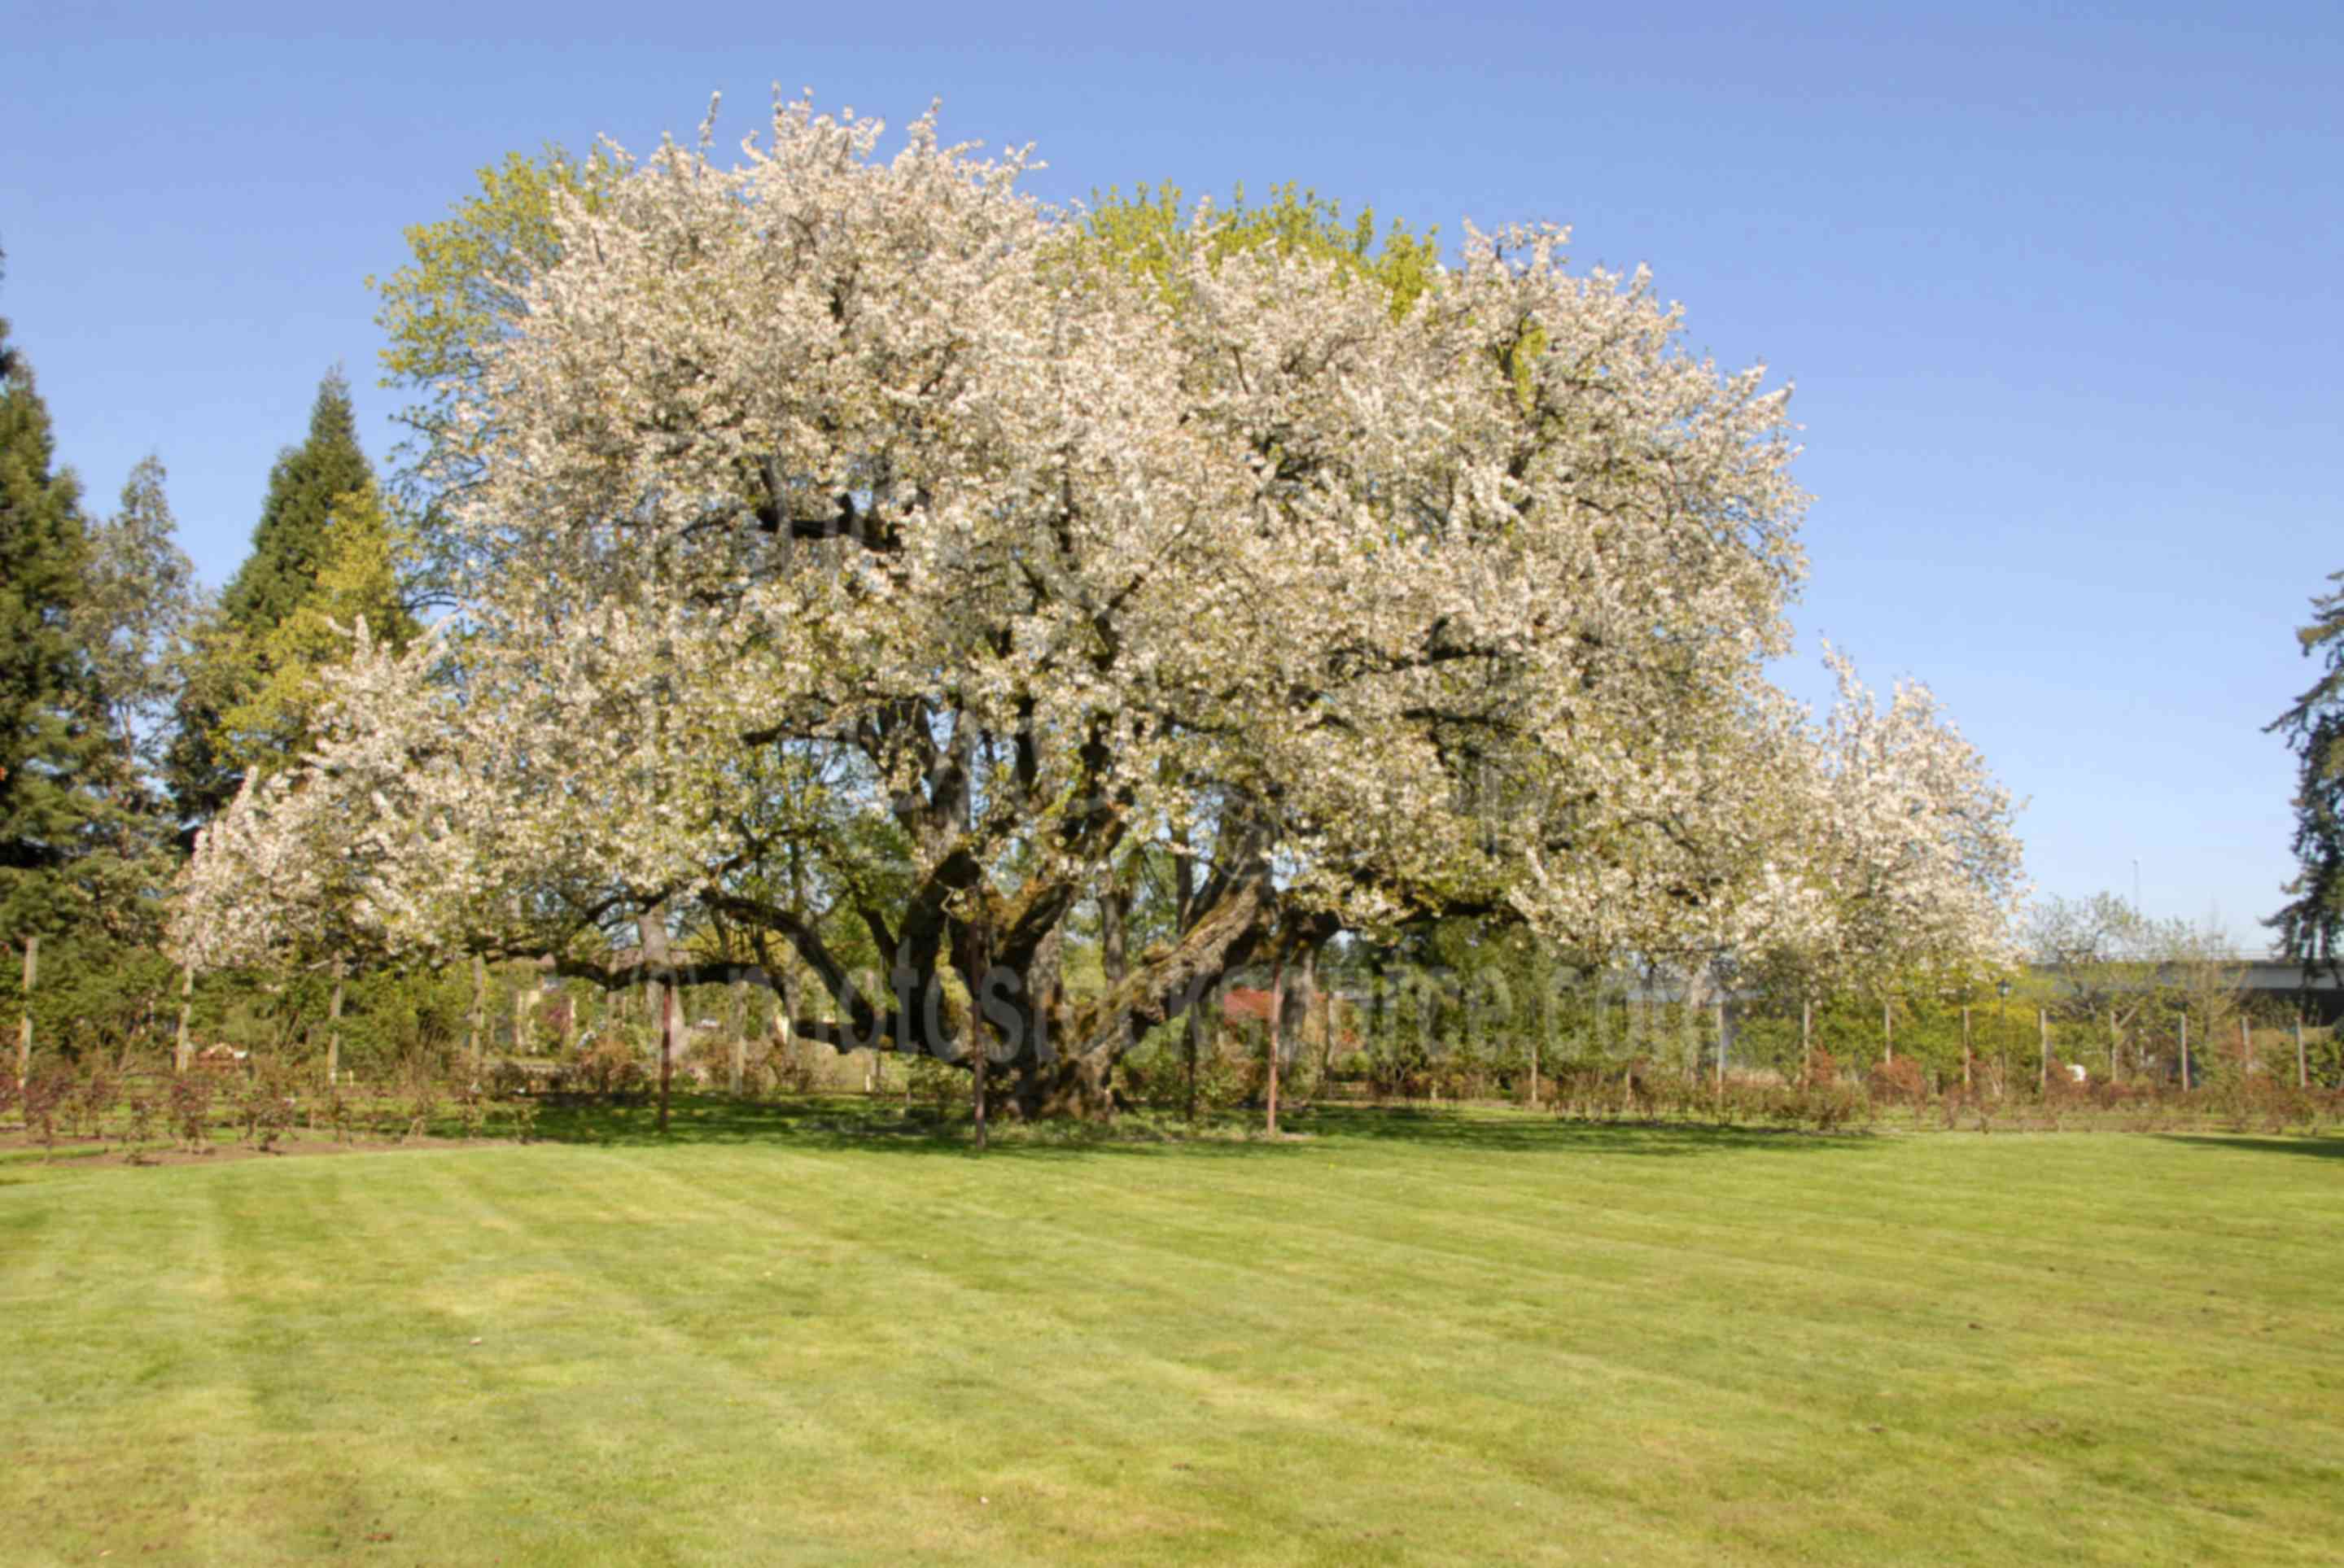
(1456, 1338)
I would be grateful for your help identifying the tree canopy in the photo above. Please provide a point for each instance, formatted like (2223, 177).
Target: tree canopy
(849, 508)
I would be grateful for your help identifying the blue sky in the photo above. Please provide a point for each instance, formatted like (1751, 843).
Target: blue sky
(2060, 287)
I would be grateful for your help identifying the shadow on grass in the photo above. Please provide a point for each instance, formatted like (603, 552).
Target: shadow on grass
(852, 1123)
(1531, 1132)
(2318, 1147)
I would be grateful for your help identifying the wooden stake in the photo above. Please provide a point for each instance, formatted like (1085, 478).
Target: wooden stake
(740, 1021)
(667, 1050)
(979, 947)
(1277, 1006)
(650, 931)
(1192, 1028)
(25, 1027)
(1721, 1045)
(980, 1097)
(334, 1027)
(187, 1008)
(479, 998)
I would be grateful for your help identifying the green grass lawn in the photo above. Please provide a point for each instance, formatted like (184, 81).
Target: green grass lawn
(1473, 1338)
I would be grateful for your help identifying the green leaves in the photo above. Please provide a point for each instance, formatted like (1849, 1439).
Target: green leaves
(357, 578)
(447, 303)
(1151, 232)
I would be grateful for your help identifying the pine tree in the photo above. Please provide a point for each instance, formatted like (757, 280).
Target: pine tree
(289, 545)
(135, 612)
(2310, 926)
(137, 600)
(292, 545)
(53, 738)
(360, 579)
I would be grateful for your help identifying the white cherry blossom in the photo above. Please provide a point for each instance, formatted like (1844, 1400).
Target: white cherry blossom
(856, 504)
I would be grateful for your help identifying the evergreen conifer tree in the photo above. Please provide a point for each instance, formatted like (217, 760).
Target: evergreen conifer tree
(90, 615)
(53, 738)
(290, 544)
(229, 723)
(2310, 925)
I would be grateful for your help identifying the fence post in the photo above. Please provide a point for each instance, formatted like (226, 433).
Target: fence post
(666, 1049)
(25, 1027)
(334, 1026)
(1966, 1051)
(187, 1006)
(480, 998)
(740, 1021)
(1277, 1008)
(1888, 1030)
(2043, 1028)
(2246, 1045)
